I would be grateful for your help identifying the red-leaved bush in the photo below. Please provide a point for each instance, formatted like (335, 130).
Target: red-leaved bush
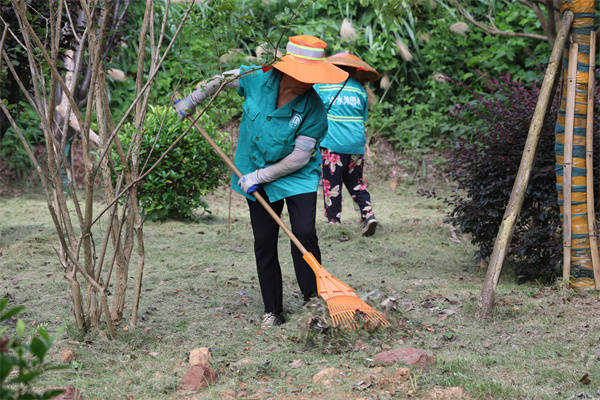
(484, 170)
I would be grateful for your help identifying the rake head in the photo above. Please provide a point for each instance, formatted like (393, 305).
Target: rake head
(345, 307)
(353, 313)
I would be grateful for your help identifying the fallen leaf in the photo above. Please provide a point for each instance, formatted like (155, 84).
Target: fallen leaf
(237, 249)
(362, 385)
(448, 312)
(585, 379)
(67, 356)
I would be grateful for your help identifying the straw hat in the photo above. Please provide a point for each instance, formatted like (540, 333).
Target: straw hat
(364, 72)
(305, 61)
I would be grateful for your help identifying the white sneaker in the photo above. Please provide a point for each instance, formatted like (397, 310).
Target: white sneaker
(270, 320)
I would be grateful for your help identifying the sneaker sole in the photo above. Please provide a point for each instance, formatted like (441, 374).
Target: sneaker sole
(370, 228)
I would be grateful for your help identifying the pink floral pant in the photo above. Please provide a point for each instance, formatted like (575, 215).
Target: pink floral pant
(347, 169)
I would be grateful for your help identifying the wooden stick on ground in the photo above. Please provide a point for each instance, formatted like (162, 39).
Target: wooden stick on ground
(589, 163)
(568, 161)
(486, 300)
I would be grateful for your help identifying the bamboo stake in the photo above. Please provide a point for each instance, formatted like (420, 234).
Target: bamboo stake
(589, 163)
(486, 300)
(568, 161)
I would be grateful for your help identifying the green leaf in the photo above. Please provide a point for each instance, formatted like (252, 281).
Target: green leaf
(10, 313)
(20, 328)
(50, 394)
(38, 348)
(6, 365)
(44, 334)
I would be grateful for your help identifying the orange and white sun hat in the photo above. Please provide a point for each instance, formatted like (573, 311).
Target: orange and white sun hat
(364, 72)
(305, 61)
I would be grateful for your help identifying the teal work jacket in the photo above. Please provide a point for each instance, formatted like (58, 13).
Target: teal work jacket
(268, 134)
(346, 118)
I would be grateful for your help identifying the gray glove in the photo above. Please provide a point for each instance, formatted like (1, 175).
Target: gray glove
(250, 182)
(184, 107)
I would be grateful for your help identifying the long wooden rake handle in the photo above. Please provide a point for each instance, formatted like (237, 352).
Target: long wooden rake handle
(341, 300)
(257, 195)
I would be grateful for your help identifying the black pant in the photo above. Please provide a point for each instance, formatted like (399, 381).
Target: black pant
(302, 210)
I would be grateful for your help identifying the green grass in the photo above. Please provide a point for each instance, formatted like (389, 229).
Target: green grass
(536, 345)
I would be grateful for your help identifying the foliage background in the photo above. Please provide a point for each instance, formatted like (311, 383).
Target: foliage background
(412, 112)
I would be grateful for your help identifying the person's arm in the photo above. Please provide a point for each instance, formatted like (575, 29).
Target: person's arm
(297, 159)
(187, 105)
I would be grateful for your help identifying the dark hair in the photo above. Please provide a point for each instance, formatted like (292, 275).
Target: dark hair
(348, 69)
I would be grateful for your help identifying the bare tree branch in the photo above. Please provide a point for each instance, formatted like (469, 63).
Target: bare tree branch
(492, 30)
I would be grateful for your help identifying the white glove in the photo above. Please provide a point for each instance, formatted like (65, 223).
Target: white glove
(184, 107)
(250, 182)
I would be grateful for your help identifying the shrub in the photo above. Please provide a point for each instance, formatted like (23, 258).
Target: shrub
(484, 171)
(11, 148)
(190, 170)
(21, 363)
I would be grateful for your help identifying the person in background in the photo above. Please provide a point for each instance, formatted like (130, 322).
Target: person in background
(283, 122)
(343, 149)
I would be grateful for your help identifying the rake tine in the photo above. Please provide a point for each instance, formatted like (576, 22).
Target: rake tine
(379, 321)
(347, 320)
(379, 317)
(383, 321)
(336, 320)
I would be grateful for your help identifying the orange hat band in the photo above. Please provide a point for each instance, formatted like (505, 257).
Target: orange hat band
(307, 53)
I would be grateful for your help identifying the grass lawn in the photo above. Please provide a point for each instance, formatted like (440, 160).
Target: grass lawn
(200, 290)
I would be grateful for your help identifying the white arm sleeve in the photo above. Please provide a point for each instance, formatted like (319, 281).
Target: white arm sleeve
(209, 88)
(297, 159)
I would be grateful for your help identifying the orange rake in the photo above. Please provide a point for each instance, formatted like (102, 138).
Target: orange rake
(345, 307)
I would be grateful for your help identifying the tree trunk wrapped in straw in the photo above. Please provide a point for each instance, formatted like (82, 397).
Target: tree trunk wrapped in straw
(580, 267)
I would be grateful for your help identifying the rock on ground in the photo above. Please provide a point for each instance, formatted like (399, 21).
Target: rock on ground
(200, 356)
(408, 356)
(450, 393)
(327, 376)
(198, 377)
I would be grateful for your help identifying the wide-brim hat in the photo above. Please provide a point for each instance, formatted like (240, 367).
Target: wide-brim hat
(364, 72)
(305, 61)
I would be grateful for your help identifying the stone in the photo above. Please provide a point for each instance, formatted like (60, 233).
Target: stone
(449, 393)
(200, 356)
(67, 356)
(407, 356)
(326, 376)
(198, 377)
(401, 374)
